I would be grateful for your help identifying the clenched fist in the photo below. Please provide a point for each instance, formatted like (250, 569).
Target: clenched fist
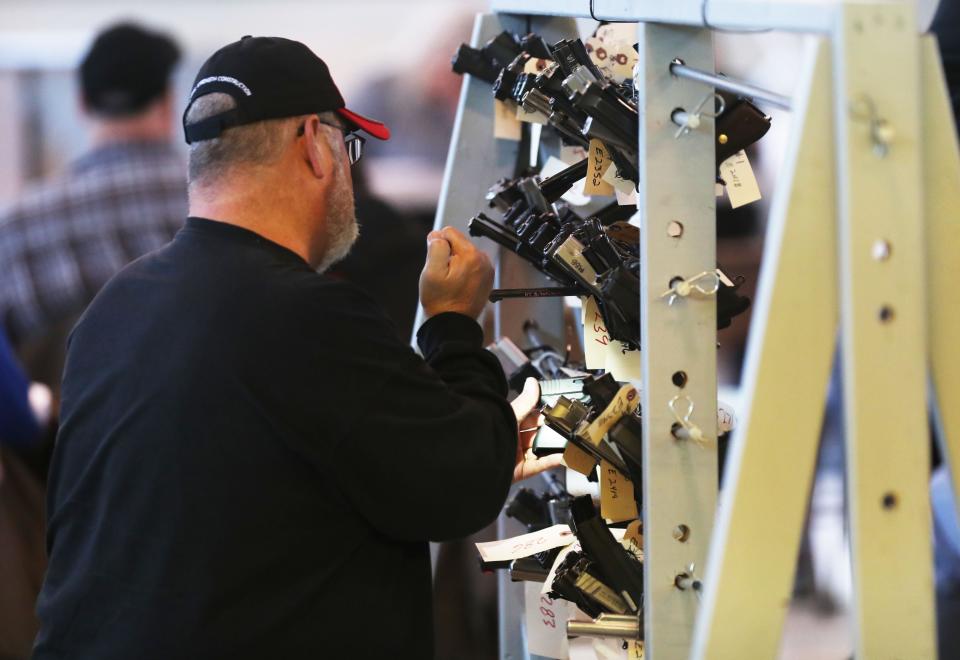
(457, 276)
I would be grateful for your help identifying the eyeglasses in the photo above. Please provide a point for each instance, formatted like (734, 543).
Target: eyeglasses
(353, 142)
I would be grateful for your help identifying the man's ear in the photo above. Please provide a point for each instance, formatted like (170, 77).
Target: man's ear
(316, 149)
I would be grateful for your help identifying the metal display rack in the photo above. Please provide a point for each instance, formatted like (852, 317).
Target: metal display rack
(863, 235)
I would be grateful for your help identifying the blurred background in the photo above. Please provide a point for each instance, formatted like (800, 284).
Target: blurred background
(378, 51)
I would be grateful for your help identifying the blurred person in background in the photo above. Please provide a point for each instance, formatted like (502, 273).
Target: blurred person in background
(127, 196)
(397, 189)
(22, 559)
(421, 103)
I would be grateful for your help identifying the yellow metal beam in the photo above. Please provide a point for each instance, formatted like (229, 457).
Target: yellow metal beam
(883, 318)
(749, 575)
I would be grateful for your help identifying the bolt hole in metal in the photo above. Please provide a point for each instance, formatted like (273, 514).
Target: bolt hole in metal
(675, 430)
(679, 378)
(889, 501)
(681, 533)
(886, 314)
(686, 581)
(881, 249)
(675, 229)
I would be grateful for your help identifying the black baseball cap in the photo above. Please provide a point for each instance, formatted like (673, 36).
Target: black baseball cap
(269, 78)
(126, 68)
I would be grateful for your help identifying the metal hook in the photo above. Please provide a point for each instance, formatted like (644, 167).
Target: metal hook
(881, 131)
(681, 288)
(688, 579)
(684, 429)
(691, 120)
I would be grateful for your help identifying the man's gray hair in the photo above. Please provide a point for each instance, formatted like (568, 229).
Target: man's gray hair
(259, 143)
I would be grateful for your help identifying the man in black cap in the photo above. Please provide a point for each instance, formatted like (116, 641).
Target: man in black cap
(251, 463)
(63, 240)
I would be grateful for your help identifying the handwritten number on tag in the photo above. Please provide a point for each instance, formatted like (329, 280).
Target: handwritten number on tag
(603, 337)
(550, 619)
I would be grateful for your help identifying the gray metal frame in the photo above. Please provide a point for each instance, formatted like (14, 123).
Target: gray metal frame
(678, 336)
(474, 162)
(876, 197)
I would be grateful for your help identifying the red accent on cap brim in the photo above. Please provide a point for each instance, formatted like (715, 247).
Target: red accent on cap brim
(375, 128)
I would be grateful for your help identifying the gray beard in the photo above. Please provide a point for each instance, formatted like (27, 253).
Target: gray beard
(342, 228)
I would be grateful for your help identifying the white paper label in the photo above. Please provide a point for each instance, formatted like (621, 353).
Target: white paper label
(613, 32)
(596, 339)
(626, 198)
(726, 418)
(622, 362)
(596, 169)
(723, 278)
(612, 176)
(526, 544)
(570, 252)
(740, 182)
(572, 154)
(546, 622)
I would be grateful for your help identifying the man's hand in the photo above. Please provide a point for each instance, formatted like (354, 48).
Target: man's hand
(529, 420)
(457, 276)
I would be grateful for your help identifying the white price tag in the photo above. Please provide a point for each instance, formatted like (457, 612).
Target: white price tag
(740, 181)
(546, 622)
(596, 339)
(613, 32)
(626, 198)
(723, 278)
(726, 418)
(596, 169)
(526, 544)
(570, 252)
(617, 502)
(623, 362)
(573, 154)
(623, 57)
(612, 176)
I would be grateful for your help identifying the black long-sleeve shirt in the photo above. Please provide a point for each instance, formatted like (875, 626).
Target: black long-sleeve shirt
(250, 463)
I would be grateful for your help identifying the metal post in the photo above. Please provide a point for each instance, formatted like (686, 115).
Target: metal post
(474, 162)
(772, 458)
(877, 103)
(678, 337)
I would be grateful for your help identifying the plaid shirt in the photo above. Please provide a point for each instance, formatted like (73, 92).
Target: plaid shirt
(62, 241)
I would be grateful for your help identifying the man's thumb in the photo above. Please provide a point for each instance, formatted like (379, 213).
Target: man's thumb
(528, 399)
